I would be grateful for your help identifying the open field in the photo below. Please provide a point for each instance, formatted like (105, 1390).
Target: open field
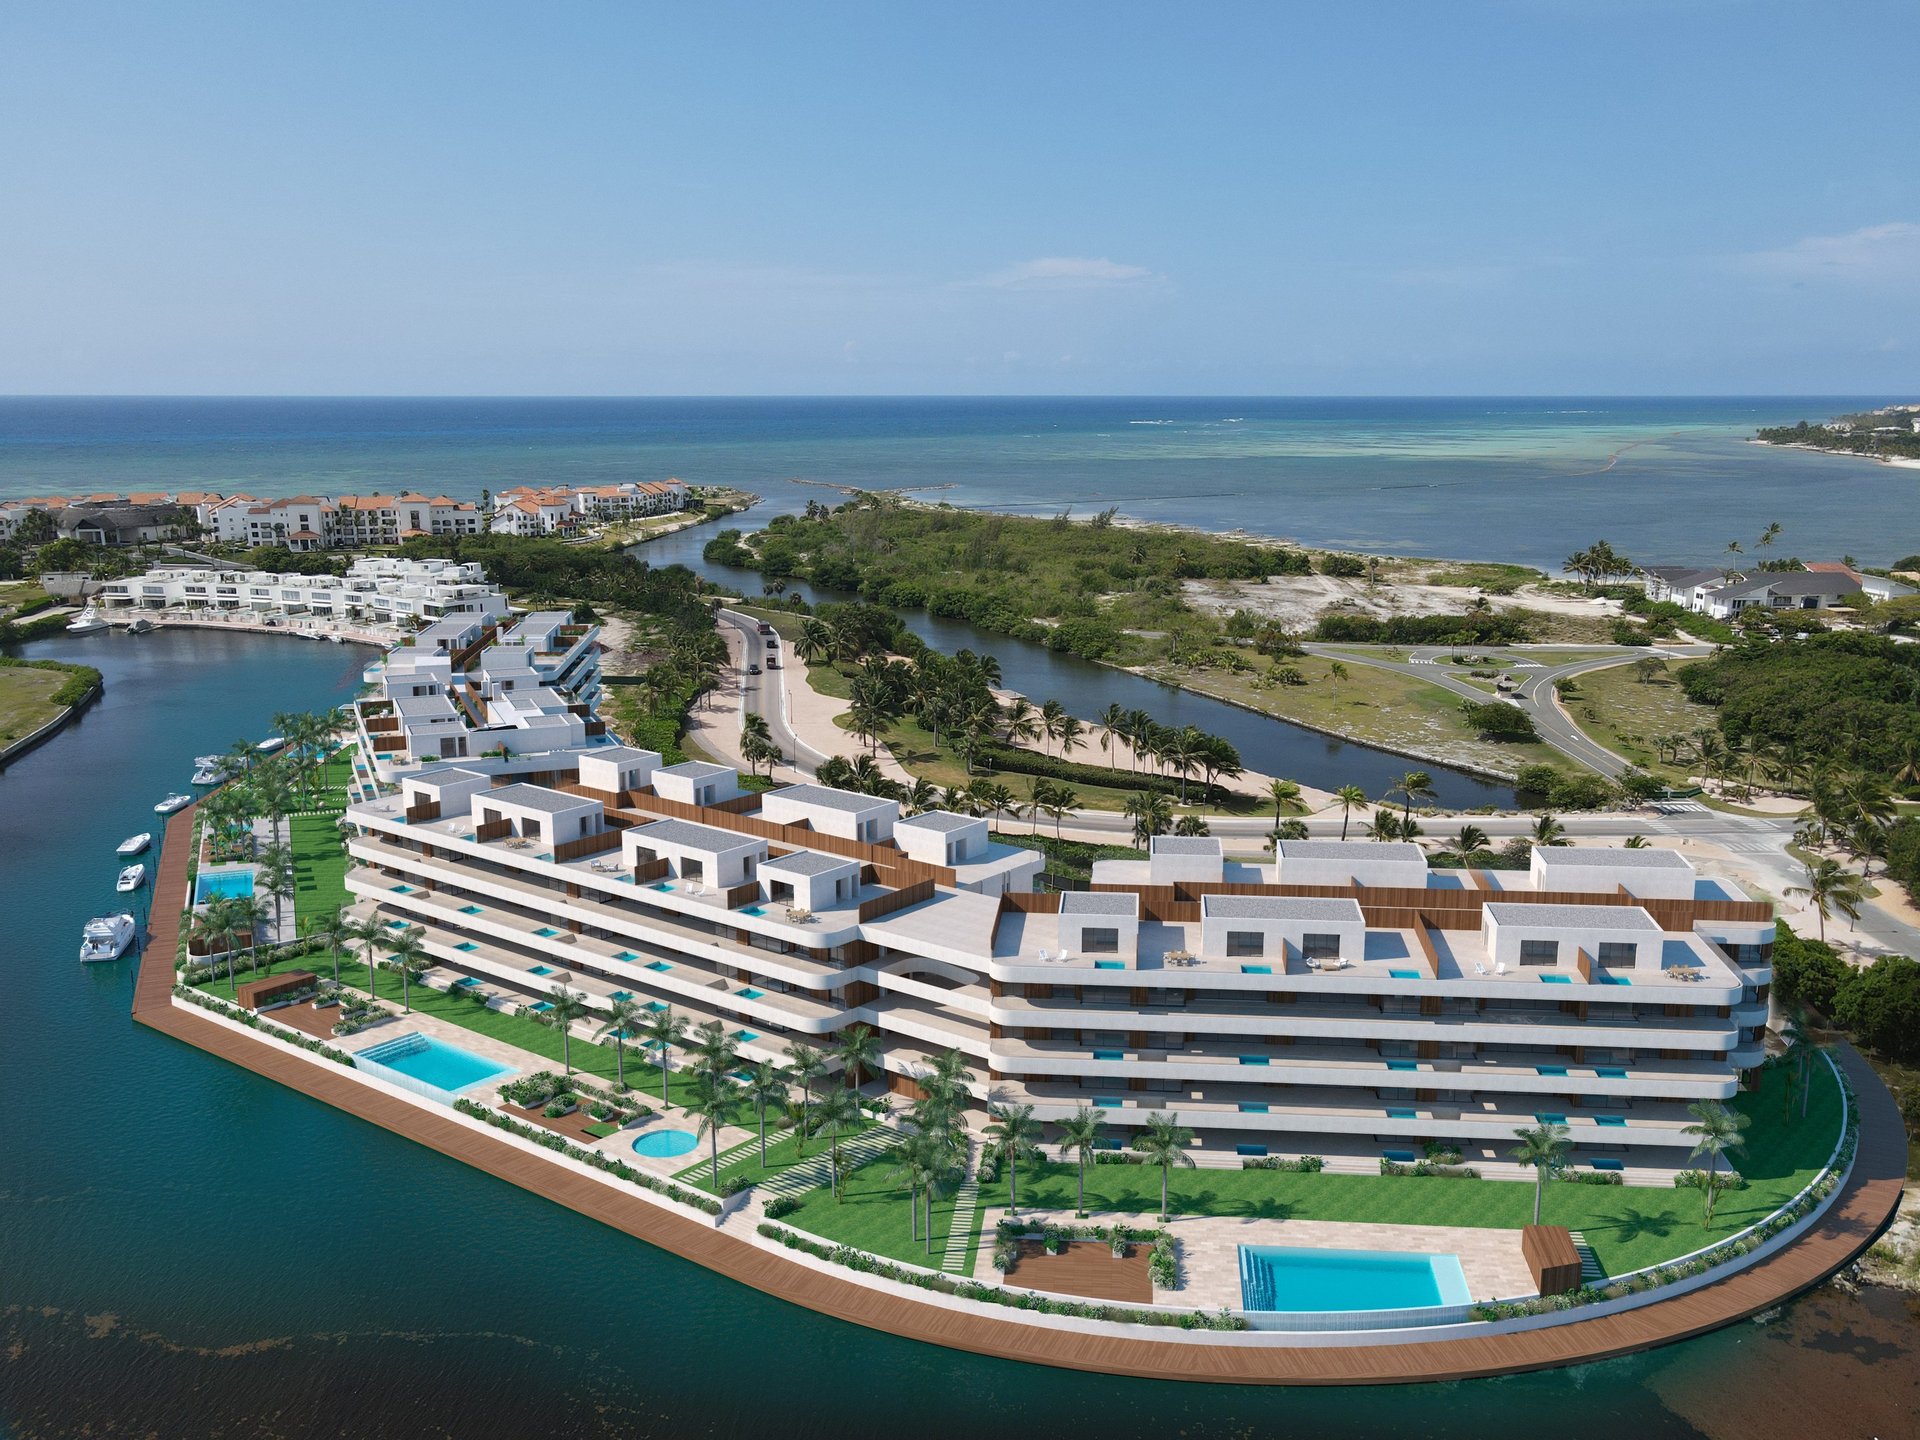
(26, 700)
(1370, 705)
(1620, 711)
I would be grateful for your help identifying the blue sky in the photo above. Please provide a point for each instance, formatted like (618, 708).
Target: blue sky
(1703, 196)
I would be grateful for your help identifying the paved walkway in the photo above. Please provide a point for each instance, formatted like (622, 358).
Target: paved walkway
(814, 1171)
(966, 1200)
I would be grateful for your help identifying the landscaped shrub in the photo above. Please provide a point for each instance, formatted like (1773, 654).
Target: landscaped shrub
(1594, 1177)
(1163, 1266)
(861, 1261)
(1497, 720)
(734, 1184)
(781, 1205)
(267, 1027)
(531, 1090)
(548, 1140)
(1305, 1165)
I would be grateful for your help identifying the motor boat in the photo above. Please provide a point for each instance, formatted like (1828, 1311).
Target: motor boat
(86, 622)
(173, 802)
(206, 775)
(106, 937)
(131, 878)
(141, 626)
(134, 844)
(270, 744)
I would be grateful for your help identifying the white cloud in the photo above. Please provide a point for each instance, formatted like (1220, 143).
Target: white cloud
(1066, 273)
(1873, 254)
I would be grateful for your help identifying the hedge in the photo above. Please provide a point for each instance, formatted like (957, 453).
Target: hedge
(254, 1022)
(1010, 760)
(548, 1140)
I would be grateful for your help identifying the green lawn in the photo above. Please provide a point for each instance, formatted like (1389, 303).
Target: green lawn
(26, 700)
(1627, 1226)
(319, 865)
(1625, 714)
(874, 1215)
(780, 1155)
(590, 1058)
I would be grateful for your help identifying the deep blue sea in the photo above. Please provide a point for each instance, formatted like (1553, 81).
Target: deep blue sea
(1519, 479)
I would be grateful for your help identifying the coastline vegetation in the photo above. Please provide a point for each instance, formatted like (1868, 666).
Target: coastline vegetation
(1873, 433)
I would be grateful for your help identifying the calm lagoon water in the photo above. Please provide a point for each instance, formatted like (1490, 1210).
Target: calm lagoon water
(189, 1250)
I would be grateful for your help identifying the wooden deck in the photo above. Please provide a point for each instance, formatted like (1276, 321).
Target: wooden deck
(1863, 1209)
(1087, 1269)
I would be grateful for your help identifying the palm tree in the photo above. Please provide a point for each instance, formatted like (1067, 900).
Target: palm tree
(1414, 785)
(806, 1065)
(1051, 714)
(662, 1030)
(1470, 839)
(1060, 800)
(1112, 719)
(858, 1050)
(1164, 1144)
(712, 1102)
(1831, 887)
(1547, 830)
(245, 915)
(835, 1113)
(1285, 795)
(624, 1015)
(215, 922)
(1544, 1149)
(1080, 1136)
(1192, 825)
(1151, 813)
(407, 951)
(1069, 734)
(1015, 1136)
(333, 930)
(275, 876)
(366, 933)
(1350, 798)
(767, 1085)
(714, 1051)
(1716, 1130)
(1021, 722)
(1385, 825)
(564, 1006)
(816, 641)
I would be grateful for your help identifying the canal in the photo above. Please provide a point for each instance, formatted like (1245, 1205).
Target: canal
(1273, 746)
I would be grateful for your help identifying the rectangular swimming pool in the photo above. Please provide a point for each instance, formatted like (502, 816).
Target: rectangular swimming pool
(223, 883)
(1297, 1279)
(431, 1063)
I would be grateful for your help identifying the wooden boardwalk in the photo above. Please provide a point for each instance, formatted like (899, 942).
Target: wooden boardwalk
(1863, 1209)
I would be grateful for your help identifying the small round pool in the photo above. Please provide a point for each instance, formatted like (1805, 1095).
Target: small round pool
(664, 1144)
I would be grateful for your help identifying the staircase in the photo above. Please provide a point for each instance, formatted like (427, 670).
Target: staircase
(960, 1233)
(1592, 1272)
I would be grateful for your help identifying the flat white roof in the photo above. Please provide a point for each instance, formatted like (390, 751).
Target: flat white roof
(1592, 917)
(693, 836)
(943, 822)
(1611, 856)
(1397, 850)
(537, 797)
(1278, 907)
(828, 798)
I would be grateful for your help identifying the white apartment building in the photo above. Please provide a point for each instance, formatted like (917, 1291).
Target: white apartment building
(376, 590)
(531, 510)
(1342, 1001)
(468, 686)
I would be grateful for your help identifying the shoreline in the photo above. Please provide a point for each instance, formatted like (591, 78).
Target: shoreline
(1899, 462)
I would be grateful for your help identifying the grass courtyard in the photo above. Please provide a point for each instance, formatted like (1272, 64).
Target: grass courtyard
(1627, 1226)
(874, 1215)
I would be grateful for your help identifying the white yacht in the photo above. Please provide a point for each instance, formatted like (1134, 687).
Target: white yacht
(131, 878)
(106, 937)
(141, 625)
(270, 744)
(206, 775)
(134, 844)
(173, 802)
(86, 622)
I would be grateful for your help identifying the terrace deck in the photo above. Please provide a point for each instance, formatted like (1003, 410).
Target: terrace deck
(1862, 1210)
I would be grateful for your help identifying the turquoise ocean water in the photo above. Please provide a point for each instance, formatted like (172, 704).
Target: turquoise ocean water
(1521, 479)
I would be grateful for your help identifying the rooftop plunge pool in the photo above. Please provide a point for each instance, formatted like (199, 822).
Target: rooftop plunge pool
(1296, 1279)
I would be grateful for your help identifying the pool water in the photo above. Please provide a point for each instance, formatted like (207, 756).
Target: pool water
(755, 910)
(432, 1062)
(1289, 1278)
(225, 883)
(750, 994)
(664, 1144)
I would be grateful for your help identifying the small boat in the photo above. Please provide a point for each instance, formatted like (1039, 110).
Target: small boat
(141, 626)
(86, 622)
(207, 762)
(106, 937)
(131, 878)
(134, 844)
(270, 744)
(206, 775)
(335, 638)
(173, 802)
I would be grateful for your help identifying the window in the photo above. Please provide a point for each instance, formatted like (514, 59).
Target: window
(1617, 952)
(1539, 952)
(1101, 940)
(691, 869)
(1245, 942)
(780, 892)
(1320, 947)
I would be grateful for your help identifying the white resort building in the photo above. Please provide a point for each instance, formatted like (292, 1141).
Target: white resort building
(1343, 1000)
(376, 590)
